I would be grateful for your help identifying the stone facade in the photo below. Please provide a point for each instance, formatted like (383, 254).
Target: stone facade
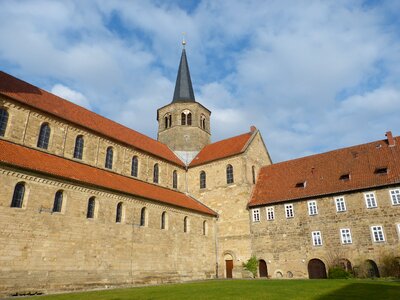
(43, 251)
(286, 244)
(179, 137)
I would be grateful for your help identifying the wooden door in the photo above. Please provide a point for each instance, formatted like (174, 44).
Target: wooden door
(262, 267)
(229, 268)
(316, 269)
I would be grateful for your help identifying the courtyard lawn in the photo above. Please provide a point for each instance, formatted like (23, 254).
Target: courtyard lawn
(250, 289)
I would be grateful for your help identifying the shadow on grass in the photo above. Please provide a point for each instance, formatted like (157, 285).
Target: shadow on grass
(365, 291)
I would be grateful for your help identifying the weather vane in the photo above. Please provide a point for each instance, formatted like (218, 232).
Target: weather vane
(183, 40)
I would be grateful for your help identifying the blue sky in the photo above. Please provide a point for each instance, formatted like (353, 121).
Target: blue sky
(313, 76)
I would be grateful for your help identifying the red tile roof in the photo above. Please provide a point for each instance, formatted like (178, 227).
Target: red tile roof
(38, 161)
(321, 173)
(37, 98)
(222, 149)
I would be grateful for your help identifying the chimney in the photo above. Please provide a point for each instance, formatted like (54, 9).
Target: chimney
(253, 128)
(390, 139)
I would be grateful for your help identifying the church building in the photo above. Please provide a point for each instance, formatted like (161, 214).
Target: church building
(86, 202)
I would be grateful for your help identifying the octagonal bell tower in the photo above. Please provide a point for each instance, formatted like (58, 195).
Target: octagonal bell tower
(184, 124)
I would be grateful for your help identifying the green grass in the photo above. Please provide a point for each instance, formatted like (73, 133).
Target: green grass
(251, 289)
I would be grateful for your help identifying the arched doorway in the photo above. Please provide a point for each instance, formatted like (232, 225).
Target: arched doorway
(262, 268)
(316, 269)
(345, 264)
(228, 265)
(372, 269)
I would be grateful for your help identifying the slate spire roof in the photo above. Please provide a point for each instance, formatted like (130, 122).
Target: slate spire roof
(183, 86)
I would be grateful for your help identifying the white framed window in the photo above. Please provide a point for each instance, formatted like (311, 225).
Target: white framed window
(270, 213)
(340, 204)
(256, 214)
(370, 200)
(316, 238)
(289, 211)
(377, 233)
(345, 235)
(312, 208)
(395, 196)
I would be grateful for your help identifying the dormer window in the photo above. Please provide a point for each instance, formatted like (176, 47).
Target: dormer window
(301, 184)
(344, 177)
(381, 171)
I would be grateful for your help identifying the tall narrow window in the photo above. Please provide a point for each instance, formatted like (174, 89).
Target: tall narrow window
(183, 119)
(58, 200)
(44, 136)
(166, 122)
(3, 121)
(118, 215)
(135, 164)
(163, 220)
(143, 217)
(79, 143)
(189, 118)
(170, 120)
(253, 173)
(109, 158)
(90, 208)
(155, 173)
(229, 174)
(174, 180)
(18, 196)
(205, 228)
(186, 224)
(203, 180)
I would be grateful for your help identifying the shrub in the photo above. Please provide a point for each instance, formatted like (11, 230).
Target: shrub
(390, 266)
(338, 273)
(251, 265)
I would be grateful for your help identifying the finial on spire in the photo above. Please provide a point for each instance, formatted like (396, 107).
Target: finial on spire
(183, 40)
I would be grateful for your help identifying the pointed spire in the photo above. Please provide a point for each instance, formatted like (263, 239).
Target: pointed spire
(183, 86)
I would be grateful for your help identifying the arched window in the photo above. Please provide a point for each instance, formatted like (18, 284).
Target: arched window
(253, 173)
(189, 118)
(202, 180)
(164, 220)
(3, 121)
(205, 228)
(118, 216)
(91, 207)
(186, 224)
(58, 200)
(135, 164)
(143, 217)
(44, 136)
(18, 196)
(155, 173)
(174, 179)
(203, 122)
(166, 122)
(229, 174)
(109, 158)
(79, 143)
(183, 119)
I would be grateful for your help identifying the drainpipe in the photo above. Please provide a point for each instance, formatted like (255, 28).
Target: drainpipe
(216, 248)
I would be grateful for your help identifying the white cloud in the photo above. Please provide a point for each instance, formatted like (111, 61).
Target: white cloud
(70, 95)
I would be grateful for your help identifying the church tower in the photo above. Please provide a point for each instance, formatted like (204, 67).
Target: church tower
(184, 124)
